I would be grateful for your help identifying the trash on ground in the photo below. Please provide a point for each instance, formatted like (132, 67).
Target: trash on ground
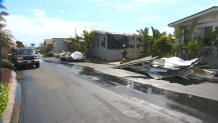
(78, 55)
(170, 67)
(72, 56)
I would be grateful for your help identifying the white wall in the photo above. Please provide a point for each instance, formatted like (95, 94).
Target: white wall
(114, 54)
(100, 51)
(58, 45)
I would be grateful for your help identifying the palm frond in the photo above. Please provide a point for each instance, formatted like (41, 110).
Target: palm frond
(192, 27)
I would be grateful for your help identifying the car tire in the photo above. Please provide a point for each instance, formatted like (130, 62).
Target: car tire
(17, 66)
(37, 65)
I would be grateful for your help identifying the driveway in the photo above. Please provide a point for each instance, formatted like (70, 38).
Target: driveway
(57, 93)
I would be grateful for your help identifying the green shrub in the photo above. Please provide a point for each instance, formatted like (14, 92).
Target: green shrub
(163, 46)
(57, 56)
(3, 98)
(48, 55)
(6, 63)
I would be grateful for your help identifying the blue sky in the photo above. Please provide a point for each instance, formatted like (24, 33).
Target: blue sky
(36, 20)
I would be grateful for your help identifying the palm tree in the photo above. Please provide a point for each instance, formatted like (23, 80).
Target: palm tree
(2, 14)
(179, 34)
(5, 35)
(144, 40)
(32, 44)
(88, 39)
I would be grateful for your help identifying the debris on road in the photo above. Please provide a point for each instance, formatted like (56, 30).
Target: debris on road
(75, 56)
(170, 67)
(78, 55)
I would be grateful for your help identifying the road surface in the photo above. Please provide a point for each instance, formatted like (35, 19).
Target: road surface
(57, 93)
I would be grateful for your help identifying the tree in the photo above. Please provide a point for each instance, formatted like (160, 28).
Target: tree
(195, 46)
(77, 45)
(5, 35)
(2, 14)
(44, 48)
(214, 38)
(144, 37)
(87, 44)
(19, 44)
(156, 35)
(179, 34)
(163, 46)
(32, 44)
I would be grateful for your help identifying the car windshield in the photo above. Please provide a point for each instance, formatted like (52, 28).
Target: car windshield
(25, 52)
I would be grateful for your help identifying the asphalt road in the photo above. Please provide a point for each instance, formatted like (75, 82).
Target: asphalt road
(57, 93)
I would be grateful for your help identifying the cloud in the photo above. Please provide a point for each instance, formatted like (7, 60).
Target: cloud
(149, 18)
(62, 11)
(103, 25)
(199, 7)
(37, 29)
(96, 0)
(188, 10)
(167, 29)
(38, 12)
(129, 6)
(150, 1)
(100, 2)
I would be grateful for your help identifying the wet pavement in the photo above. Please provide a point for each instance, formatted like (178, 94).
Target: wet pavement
(71, 93)
(17, 104)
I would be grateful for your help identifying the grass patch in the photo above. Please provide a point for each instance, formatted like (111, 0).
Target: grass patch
(3, 98)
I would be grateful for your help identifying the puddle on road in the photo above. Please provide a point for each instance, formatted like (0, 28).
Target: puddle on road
(17, 94)
(198, 103)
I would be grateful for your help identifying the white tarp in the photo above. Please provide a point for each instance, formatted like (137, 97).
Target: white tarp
(77, 55)
(175, 62)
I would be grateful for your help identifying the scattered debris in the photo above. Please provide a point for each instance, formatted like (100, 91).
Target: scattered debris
(75, 56)
(170, 67)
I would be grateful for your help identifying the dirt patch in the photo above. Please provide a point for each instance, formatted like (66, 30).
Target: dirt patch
(6, 75)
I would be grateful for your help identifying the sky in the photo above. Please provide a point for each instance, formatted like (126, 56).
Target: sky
(32, 21)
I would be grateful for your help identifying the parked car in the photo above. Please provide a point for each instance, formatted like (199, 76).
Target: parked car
(25, 56)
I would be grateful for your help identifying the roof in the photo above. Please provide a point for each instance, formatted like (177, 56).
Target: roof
(63, 39)
(214, 8)
(48, 41)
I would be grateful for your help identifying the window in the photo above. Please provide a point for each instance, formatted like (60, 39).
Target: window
(98, 42)
(25, 52)
(103, 42)
(207, 32)
(186, 36)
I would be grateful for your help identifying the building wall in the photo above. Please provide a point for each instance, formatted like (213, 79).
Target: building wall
(116, 54)
(204, 19)
(110, 54)
(100, 51)
(58, 45)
